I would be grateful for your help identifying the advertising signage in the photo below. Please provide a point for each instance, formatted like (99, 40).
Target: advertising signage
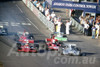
(87, 7)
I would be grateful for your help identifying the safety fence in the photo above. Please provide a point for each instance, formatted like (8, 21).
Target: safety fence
(48, 24)
(77, 25)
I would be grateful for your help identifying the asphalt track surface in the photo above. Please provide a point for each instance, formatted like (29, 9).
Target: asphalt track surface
(17, 17)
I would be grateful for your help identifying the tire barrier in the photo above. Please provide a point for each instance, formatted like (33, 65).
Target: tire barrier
(48, 24)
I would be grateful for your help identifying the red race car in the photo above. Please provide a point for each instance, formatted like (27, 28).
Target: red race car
(24, 37)
(24, 47)
(52, 44)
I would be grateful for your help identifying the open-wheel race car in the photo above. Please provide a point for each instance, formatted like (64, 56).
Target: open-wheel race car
(3, 31)
(52, 44)
(24, 37)
(59, 36)
(70, 49)
(27, 47)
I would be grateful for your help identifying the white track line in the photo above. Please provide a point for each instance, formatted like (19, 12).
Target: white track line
(32, 23)
(19, 8)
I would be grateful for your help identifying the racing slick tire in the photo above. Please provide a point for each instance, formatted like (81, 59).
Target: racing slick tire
(83, 54)
(31, 36)
(71, 54)
(80, 54)
(46, 48)
(60, 51)
(37, 47)
(65, 36)
(19, 46)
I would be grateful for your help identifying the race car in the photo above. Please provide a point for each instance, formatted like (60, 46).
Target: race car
(70, 49)
(3, 31)
(27, 47)
(52, 44)
(24, 37)
(59, 36)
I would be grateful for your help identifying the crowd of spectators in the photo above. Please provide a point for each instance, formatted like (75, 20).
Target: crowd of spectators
(48, 13)
(91, 27)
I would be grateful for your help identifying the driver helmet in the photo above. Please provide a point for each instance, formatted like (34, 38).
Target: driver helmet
(53, 41)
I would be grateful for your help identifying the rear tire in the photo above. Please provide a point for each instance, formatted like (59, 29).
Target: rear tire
(37, 47)
(19, 46)
(83, 54)
(31, 36)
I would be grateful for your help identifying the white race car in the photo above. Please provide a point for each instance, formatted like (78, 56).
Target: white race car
(70, 49)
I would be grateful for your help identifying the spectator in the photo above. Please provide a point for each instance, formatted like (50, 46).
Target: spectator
(55, 20)
(91, 20)
(52, 16)
(59, 18)
(55, 23)
(41, 8)
(99, 20)
(97, 30)
(73, 13)
(70, 22)
(86, 27)
(48, 17)
(91, 23)
(38, 4)
(58, 26)
(80, 18)
(46, 11)
(67, 27)
(87, 16)
(93, 32)
(82, 21)
(44, 4)
(35, 2)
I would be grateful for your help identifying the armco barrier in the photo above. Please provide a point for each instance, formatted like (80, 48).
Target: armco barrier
(78, 26)
(48, 24)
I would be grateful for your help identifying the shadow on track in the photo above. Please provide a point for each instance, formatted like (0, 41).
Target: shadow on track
(88, 54)
(74, 41)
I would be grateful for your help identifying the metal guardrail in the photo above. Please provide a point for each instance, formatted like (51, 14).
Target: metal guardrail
(77, 25)
(48, 24)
